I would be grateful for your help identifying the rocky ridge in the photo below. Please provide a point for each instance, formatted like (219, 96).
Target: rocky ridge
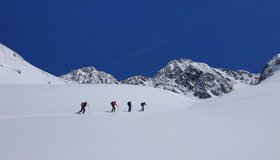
(89, 75)
(181, 76)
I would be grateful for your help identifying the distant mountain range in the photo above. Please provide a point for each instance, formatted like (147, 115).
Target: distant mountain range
(183, 76)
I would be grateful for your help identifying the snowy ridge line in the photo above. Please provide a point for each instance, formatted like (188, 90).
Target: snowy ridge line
(15, 70)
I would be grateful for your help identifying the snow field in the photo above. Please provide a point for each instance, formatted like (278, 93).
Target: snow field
(37, 122)
(57, 99)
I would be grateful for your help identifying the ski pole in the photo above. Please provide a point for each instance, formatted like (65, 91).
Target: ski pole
(89, 109)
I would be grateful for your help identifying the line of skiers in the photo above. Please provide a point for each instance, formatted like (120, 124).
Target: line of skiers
(114, 105)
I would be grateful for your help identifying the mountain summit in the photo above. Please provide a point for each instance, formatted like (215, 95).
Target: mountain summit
(197, 79)
(200, 80)
(89, 75)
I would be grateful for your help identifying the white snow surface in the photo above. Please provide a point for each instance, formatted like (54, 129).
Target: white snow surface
(15, 70)
(38, 122)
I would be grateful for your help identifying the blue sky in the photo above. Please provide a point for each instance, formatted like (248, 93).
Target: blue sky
(139, 37)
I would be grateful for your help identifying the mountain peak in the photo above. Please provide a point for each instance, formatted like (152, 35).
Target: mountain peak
(181, 61)
(277, 56)
(89, 69)
(184, 63)
(181, 65)
(198, 79)
(9, 56)
(89, 75)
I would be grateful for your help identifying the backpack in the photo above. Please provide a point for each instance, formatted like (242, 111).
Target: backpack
(129, 103)
(113, 103)
(83, 104)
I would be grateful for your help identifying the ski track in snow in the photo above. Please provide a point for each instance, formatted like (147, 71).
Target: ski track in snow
(121, 111)
(35, 116)
(75, 114)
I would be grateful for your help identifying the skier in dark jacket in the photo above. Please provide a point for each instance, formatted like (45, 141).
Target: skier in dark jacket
(114, 104)
(83, 108)
(129, 106)
(143, 104)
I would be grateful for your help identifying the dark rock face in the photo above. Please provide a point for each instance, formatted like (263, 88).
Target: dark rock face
(243, 76)
(190, 78)
(270, 68)
(137, 80)
(200, 80)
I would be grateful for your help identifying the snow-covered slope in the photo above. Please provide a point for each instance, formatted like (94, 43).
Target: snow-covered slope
(243, 124)
(240, 125)
(15, 70)
(270, 68)
(89, 75)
